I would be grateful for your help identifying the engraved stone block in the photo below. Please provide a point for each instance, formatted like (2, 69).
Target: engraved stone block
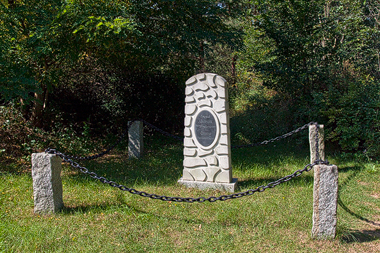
(211, 173)
(224, 162)
(189, 152)
(219, 106)
(190, 109)
(189, 99)
(188, 142)
(193, 162)
(189, 91)
(187, 132)
(187, 121)
(211, 161)
(222, 150)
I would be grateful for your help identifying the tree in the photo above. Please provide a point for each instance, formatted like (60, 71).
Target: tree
(323, 58)
(34, 48)
(129, 39)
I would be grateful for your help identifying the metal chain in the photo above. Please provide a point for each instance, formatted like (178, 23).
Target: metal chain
(277, 138)
(199, 199)
(317, 156)
(261, 188)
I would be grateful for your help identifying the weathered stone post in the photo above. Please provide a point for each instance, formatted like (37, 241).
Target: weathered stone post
(313, 142)
(325, 188)
(207, 147)
(135, 140)
(47, 183)
(325, 201)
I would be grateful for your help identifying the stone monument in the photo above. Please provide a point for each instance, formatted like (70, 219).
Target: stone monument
(207, 147)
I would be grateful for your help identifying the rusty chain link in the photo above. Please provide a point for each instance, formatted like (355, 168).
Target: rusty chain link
(261, 188)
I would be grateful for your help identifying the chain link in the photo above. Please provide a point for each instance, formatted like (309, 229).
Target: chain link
(261, 188)
(278, 137)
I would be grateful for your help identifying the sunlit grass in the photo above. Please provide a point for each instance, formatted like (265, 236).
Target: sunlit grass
(99, 218)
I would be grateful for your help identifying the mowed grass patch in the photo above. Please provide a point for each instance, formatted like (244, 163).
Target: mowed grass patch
(99, 218)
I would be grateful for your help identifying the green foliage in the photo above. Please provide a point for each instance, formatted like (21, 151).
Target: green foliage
(259, 115)
(34, 46)
(322, 59)
(353, 114)
(19, 138)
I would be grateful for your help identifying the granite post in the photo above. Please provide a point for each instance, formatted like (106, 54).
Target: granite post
(325, 201)
(207, 146)
(135, 140)
(313, 142)
(47, 183)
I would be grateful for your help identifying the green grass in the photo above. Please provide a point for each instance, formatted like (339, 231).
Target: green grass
(99, 218)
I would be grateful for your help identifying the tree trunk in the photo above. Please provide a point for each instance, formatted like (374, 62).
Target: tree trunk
(39, 107)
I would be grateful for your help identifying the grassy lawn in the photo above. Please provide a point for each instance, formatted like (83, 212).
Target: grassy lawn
(99, 218)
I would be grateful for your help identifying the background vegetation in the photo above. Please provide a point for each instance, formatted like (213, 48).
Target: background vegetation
(93, 66)
(90, 67)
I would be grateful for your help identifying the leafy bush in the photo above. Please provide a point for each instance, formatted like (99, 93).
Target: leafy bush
(352, 115)
(19, 139)
(259, 115)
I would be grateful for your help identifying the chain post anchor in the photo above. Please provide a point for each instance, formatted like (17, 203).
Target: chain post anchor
(47, 183)
(317, 143)
(325, 201)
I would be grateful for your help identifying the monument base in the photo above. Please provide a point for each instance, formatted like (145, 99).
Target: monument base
(229, 187)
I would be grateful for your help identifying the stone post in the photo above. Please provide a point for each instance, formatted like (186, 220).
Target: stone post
(47, 183)
(313, 142)
(325, 201)
(135, 140)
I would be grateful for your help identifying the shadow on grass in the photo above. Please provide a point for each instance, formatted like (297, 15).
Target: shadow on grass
(361, 236)
(254, 183)
(355, 235)
(345, 208)
(97, 208)
(163, 165)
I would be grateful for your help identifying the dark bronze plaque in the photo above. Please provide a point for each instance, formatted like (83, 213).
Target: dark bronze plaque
(205, 128)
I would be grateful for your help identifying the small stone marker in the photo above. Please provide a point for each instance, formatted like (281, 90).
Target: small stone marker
(325, 201)
(47, 183)
(313, 142)
(207, 147)
(135, 140)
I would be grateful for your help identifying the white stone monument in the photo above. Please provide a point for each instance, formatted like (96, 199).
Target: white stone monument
(207, 147)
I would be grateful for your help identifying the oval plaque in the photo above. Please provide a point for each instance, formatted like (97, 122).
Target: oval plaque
(205, 128)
